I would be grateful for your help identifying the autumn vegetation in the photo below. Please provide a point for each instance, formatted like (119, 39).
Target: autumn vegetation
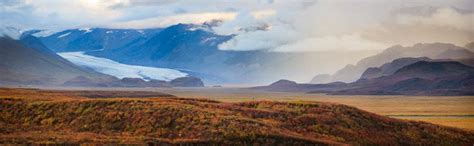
(72, 117)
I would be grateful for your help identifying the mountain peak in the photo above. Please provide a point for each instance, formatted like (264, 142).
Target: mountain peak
(283, 82)
(436, 69)
(87, 29)
(470, 46)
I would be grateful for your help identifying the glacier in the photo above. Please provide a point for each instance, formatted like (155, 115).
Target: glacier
(119, 70)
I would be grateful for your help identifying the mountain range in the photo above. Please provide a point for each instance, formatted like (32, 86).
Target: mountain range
(163, 54)
(89, 39)
(404, 76)
(183, 48)
(390, 68)
(27, 62)
(351, 73)
(420, 78)
(189, 48)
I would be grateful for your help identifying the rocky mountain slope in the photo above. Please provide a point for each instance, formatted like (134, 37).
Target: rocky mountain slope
(28, 62)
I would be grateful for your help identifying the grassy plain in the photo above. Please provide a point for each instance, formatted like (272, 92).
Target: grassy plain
(455, 111)
(144, 117)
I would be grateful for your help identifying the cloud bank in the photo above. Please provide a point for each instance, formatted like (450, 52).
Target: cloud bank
(338, 25)
(273, 25)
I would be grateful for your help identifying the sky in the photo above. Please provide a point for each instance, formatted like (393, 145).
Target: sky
(277, 25)
(338, 26)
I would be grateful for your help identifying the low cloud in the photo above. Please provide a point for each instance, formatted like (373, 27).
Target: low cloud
(441, 17)
(353, 42)
(425, 24)
(194, 18)
(341, 25)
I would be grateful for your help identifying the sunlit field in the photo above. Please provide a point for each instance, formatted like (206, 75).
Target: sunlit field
(455, 111)
(131, 116)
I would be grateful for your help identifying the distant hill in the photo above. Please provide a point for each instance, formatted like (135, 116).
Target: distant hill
(178, 121)
(351, 73)
(420, 78)
(390, 68)
(433, 70)
(456, 54)
(29, 62)
(82, 81)
(321, 79)
(470, 46)
(187, 82)
(291, 86)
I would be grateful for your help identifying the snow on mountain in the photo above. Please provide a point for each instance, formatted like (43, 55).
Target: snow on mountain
(43, 33)
(86, 30)
(89, 39)
(63, 35)
(11, 32)
(120, 70)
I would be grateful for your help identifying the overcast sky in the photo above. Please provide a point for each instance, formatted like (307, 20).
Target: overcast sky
(277, 25)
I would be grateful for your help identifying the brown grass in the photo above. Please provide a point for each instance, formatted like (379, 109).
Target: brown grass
(383, 105)
(460, 122)
(36, 116)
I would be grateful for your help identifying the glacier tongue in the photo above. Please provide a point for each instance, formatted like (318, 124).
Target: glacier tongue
(119, 70)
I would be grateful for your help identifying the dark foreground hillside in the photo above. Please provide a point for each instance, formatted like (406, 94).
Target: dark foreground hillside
(36, 116)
